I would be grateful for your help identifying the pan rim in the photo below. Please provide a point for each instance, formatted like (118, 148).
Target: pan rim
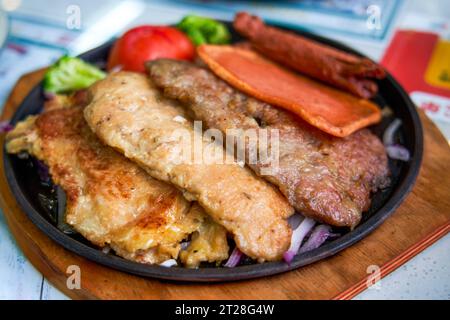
(220, 274)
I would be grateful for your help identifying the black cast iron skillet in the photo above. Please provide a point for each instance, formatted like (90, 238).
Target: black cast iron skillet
(38, 200)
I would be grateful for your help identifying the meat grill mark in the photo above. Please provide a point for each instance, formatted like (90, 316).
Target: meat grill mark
(329, 179)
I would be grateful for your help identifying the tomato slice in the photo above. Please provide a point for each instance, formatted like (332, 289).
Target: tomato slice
(145, 43)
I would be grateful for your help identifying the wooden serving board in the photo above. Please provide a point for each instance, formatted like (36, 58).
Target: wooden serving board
(422, 219)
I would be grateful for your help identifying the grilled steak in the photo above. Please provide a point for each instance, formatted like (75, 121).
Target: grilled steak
(326, 178)
(128, 113)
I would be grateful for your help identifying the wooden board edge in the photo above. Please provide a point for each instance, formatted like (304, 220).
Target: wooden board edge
(394, 264)
(29, 247)
(59, 279)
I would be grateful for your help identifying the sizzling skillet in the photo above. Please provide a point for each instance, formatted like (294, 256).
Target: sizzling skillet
(40, 202)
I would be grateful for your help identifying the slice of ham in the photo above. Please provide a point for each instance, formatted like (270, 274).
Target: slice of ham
(326, 108)
(337, 68)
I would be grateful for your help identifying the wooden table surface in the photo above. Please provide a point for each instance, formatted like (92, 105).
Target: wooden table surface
(422, 219)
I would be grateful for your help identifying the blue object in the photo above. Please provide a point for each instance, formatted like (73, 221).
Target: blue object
(4, 29)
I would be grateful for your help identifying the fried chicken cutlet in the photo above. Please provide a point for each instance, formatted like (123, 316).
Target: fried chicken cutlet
(128, 113)
(110, 200)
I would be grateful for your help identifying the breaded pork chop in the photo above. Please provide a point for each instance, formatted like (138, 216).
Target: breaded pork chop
(129, 114)
(110, 200)
(326, 178)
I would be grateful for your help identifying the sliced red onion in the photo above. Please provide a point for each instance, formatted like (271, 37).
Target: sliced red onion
(184, 245)
(169, 263)
(333, 235)
(49, 95)
(398, 152)
(389, 133)
(42, 170)
(288, 256)
(234, 259)
(394, 151)
(295, 220)
(5, 126)
(319, 235)
(297, 237)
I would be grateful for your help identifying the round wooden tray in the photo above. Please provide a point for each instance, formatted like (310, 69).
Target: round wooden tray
(422, 219)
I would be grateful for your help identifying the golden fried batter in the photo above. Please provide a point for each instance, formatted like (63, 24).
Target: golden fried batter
(110, 200)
